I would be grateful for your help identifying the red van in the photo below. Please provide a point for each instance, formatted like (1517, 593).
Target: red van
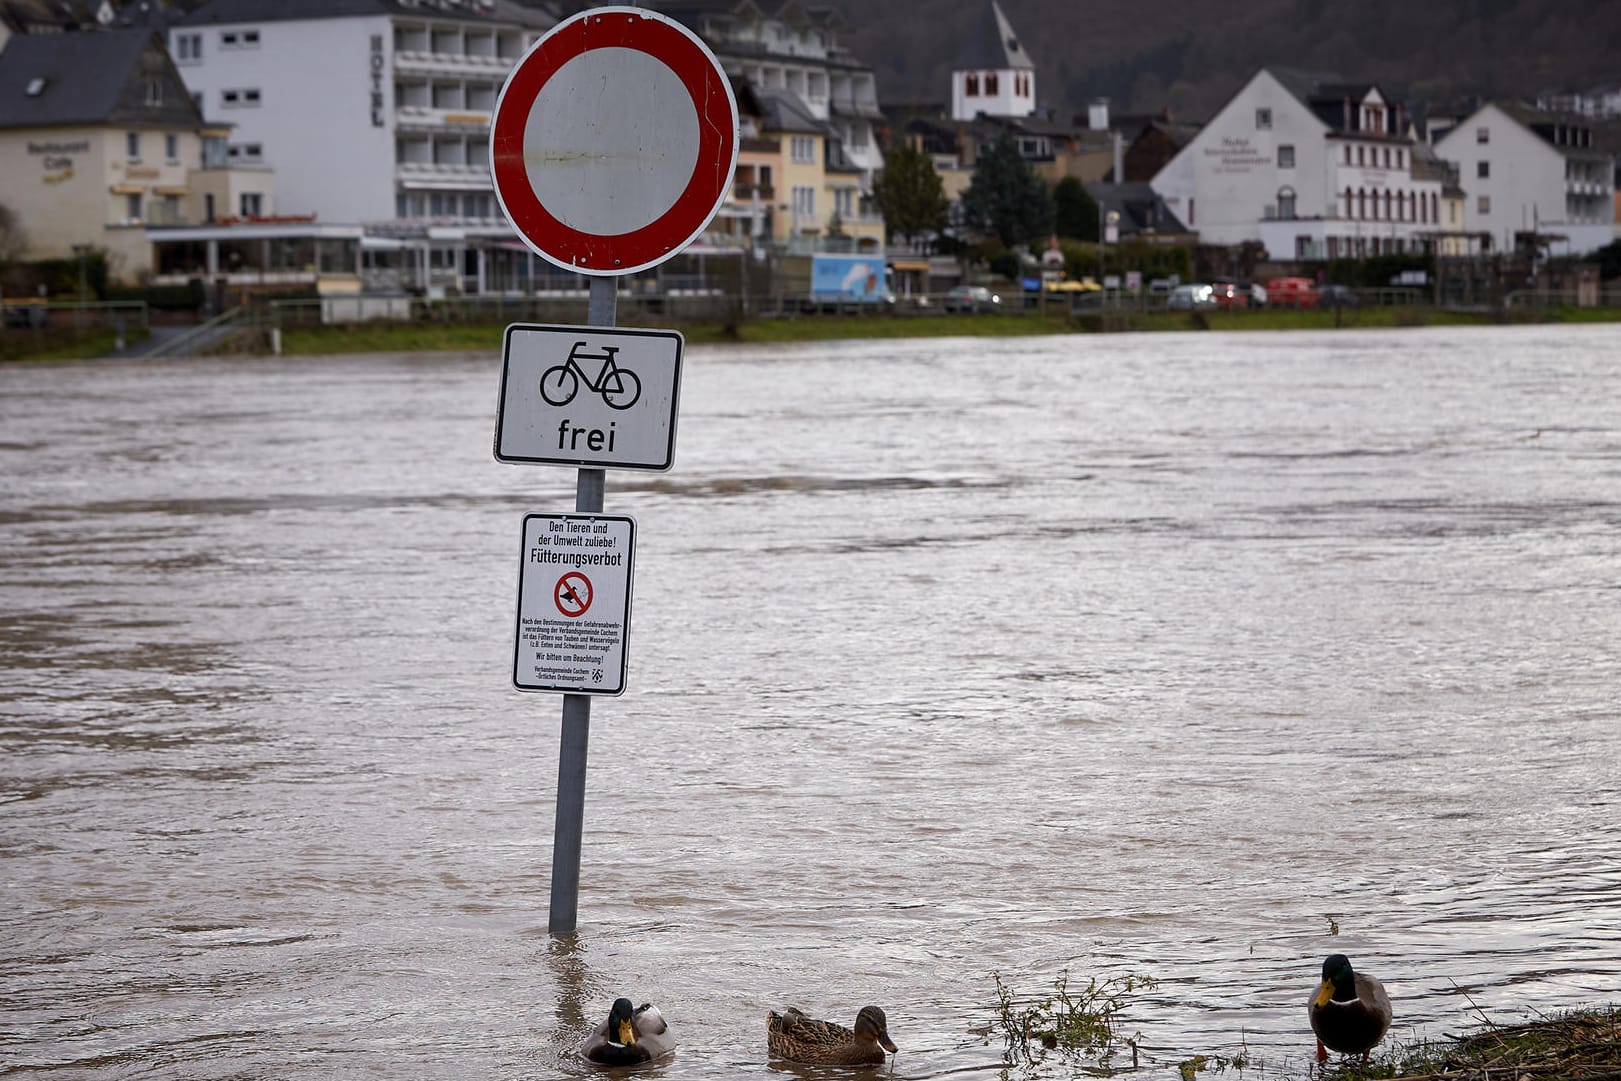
(1291, 293)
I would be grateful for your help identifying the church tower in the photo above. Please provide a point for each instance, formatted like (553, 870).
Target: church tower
(994, 74)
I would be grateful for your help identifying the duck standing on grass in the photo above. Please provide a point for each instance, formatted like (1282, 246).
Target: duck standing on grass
(1350, 1011)
(628, 1036)
(792, 1035)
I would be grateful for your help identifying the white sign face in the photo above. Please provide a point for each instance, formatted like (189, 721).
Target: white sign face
(592, 397)
(574, 603)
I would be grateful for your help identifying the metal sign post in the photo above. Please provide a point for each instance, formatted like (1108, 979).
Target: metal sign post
(612, 147)
(590, 486)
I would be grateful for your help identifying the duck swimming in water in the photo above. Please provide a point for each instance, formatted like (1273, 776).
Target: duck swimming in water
(629, 1036)
(792, 1035)
(1349, 1011)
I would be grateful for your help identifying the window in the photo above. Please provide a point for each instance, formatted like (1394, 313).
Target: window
(990, 84)
(132, 145)
(1347, 153)
(1286, 203)
(971, 86)
(154, 92)
(804, 206)
(844, 203)
(171, 147)
(188, 48)
(1360, 160)
(1263, 119)
(1483, 169)
(253, 204)
(239, 39)
(1387, 157)
(208, 206)
(803, 149)
(1286, 156)
(1483, 135)
(132, 206)
(1484, 204)
(1190, 210)
(234, 98)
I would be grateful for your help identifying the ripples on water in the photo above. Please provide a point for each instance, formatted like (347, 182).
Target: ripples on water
(1156, 654)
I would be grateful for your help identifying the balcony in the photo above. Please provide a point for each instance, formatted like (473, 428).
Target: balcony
(414, 62)
(744, 193)
(434, 174)
(429, 118)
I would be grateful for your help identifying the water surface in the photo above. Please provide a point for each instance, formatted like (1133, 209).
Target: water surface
(1160, 654)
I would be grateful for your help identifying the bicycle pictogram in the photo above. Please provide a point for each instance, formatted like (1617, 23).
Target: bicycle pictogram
(618, 386)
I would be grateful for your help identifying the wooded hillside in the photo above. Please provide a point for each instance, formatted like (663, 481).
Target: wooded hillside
(1191, 55)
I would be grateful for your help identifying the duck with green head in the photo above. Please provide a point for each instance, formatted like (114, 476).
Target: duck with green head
(629, 1036)
(792, 1035)
(1349, 1011)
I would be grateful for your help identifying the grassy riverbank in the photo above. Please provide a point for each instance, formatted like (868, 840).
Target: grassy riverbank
(416, 337)
(1582, 1045)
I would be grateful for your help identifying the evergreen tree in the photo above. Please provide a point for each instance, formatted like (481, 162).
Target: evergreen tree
(1005, 198)
(1075, 211)
(909, 194)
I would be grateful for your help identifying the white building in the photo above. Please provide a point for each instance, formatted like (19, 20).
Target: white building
(994, 75)
(1311, 169)
(372, 112)
(1531, 172)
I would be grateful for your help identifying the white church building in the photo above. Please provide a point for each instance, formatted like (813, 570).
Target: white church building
(993, 75)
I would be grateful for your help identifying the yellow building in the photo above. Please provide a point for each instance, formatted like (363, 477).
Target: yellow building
(99, 138)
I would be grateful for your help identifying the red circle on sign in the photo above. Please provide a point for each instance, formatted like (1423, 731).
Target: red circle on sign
(669, 43)
(573, 594)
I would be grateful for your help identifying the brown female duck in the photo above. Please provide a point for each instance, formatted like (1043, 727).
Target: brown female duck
(792, 1035)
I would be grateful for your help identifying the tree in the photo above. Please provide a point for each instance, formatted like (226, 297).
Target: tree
(909, 194)
(1075, 212)
(1005, 198)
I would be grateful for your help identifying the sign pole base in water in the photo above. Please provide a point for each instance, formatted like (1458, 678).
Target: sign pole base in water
(590, 487)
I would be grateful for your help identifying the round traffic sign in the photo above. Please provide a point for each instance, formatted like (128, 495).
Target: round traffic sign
(613, 141)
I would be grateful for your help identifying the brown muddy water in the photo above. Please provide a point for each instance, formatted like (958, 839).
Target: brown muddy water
(1155, 654)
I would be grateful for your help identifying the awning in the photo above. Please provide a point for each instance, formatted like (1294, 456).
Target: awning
(128, 189)
(904, 264)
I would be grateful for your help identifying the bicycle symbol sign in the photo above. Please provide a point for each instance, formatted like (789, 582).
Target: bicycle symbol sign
(572, 594)
(617, 386)
(590, 397)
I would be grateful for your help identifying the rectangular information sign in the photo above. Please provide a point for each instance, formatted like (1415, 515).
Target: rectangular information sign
(593, 397)
(574, 603)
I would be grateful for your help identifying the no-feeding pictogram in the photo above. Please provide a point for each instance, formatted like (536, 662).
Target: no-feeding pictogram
(573, 594)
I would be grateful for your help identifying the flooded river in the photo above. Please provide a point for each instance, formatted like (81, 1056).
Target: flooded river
(1191, 656)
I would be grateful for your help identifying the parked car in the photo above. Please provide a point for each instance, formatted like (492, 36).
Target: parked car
(1186, 298)
(971, 298)
(1229, 294)
(1337, 296)
(1291, 293)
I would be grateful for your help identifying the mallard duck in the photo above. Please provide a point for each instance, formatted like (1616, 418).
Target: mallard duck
(628, 1036)
(1349, 1011)
(792, 1035)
